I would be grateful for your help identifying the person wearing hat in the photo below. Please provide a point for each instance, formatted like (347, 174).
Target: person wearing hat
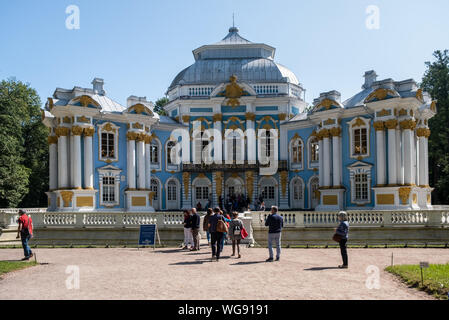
(25, 232)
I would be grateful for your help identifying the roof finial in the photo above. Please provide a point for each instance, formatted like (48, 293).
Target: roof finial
(233, 28)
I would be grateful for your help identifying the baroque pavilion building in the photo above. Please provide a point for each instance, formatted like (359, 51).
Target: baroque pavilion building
(237, 112)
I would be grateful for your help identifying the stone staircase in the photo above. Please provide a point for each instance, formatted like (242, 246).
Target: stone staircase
(8, 237)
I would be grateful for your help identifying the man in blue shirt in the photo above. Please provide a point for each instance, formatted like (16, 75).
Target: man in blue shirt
(274, 223)
(215, 236)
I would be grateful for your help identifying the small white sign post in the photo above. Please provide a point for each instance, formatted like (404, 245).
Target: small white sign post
(423, 265)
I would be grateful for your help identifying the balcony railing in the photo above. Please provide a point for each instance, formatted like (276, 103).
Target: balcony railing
(244, 166)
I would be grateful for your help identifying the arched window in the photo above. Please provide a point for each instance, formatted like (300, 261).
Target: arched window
(359, 135)
(297, 189)
(201, 141)
(155, 188)
(296, 152)
(314, 151)
(172, 191)
(154, 152)
(170, 159)
(108, 140)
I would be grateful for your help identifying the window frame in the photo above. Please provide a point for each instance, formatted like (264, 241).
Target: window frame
(356, 170)
(108, 128)
(359, 123)
(109, 171)
(296, 165)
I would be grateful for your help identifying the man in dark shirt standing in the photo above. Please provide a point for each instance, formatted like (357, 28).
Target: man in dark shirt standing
(215, 236)
(195, 224)
(275, 224)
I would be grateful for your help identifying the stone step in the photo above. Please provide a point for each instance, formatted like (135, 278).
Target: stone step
(8, 236)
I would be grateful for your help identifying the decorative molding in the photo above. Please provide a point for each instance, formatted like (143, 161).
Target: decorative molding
(62, 131)
(329, 122)
(77, 130)
(385, 199)
(217, 117)
(250, 116)
(249, 177)
(219, 183)
(233, 92)
(283, 177)
(67, 197)
(423, 132)
(89, 132)
(408, 124)
(404, 194)
(379, 125)
(282, 116)
(52, 139)
(335, 132)
(131, 135)
(84, 201)
(383, 113)
(86, 100)
(186, 182)
(402, 112)
(391, 124)
(358, 123)
(380, 94)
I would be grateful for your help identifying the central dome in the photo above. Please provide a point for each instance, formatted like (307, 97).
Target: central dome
(234, 55)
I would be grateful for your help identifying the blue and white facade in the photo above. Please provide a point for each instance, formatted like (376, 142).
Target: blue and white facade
(233, 114)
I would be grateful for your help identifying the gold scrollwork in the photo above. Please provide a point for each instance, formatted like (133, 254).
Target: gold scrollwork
(62, 131)
(186, 182)
(89, 132)
(233, 92)
(408, 124)
(218, 183)
(404, 194)
(423, 132)
(130, 135)
(249, 176)
(67, 197)
(391, 124)
(283, 176)
(217, 117)
(52, 139)
(335, 132)
(77, 130)
(379, 125)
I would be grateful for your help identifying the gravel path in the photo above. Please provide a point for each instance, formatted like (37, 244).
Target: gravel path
(128, 273)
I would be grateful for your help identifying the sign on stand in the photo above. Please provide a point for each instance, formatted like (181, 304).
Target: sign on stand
(147, 235)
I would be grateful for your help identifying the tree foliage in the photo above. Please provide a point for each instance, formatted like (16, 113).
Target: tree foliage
(159, 106)
(436, 82)
(23, 147)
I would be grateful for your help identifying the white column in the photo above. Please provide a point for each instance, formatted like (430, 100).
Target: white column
(380, 154)
(76, 157)
(88, 158)
(218, 142)
(426, 158)
(400, 158)
(131, 161)
(408, 151)
(284, 144)
(147, 163)
(336, 155)
(392, 152)
(320, 162)
(251, 138)
(423, 174)
(63, 181)
(53, 162)
(327, 160)
(140, 161)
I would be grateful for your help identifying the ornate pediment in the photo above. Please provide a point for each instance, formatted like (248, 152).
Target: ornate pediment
(381, 94)
(233, 92)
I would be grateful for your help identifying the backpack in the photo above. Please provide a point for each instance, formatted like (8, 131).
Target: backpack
(221, 226)
(237, 230)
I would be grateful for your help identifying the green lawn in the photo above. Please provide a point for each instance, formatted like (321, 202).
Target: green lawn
(8, 266)
(436, 278)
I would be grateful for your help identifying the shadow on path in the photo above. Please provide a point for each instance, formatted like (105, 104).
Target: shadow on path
(242, 263)
(320, 268)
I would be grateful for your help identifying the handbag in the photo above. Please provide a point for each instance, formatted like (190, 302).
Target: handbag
(221, 226)
(337, 237)
(243, 233)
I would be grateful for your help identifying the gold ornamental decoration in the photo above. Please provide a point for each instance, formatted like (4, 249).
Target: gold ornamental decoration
(249, 176)
(185, 118)
(83, 119)
(433, 106)
(86, 101)
(151, 197)
(62, 131)
(380, 94)
(408, 124)
(329, 122)
(383, 113)
(358, 123)
(233, 92)
(284, 176)
(282, 116)
(67, 119)
(379, 125)
(325, 133)
(137, 126)
(130, 135)
(402, 112)
(327, 104)
(335, 132)
(391, 124)
(186, 182)
(218, 183)
(250, 116)
(419, 95)
(423, 132)
(52, 139)
(141, 137)
(217, 117)
(66, 197)
(404, 194)
(89, 132)
(77, 130)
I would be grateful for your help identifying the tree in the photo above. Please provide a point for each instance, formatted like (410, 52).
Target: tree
(23, 147)
(159, 106)
(436, 83)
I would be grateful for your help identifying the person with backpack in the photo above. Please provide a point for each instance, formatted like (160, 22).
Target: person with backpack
(235, 233)
(25, 232)
(227, 219)
(217, 227)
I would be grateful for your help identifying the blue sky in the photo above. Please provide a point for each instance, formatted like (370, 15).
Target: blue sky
(138, 46)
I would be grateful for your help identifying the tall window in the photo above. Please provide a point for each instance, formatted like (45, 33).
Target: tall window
(154, 152)
(268, 144)
(201, 142)
(107, 145)
(297, 190)
(314, 151)
(361, 187)
(171, 191)
(296, 152)
(108, 191)
(360, 141)
(155, 188)
(170, 146)
(268, 192)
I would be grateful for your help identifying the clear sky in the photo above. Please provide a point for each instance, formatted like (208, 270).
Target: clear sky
(138, 46)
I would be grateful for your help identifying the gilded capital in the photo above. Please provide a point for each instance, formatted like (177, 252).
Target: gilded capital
(335, 132)
(62, 131)
(185, 118)
(217, 117)
(250, 116)
(325, 133)
(391, 124)
(379, 125)
(52, 139)
(408, 124)
(131, 135)
(77, 130)
(423, 132)
(141, 137)
(282, 116)
(89, 132)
